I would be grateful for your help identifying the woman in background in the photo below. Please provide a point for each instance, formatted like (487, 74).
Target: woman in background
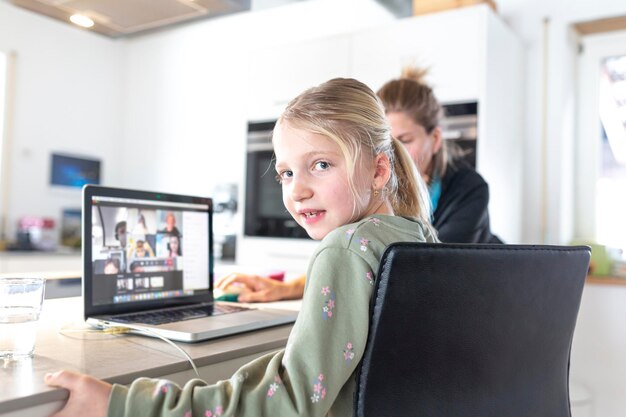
(459, 195)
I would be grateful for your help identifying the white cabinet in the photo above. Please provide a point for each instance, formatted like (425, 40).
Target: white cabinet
(471, 56)
(449, 44)
(280, 73)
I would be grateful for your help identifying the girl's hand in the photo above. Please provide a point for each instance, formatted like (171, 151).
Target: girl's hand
(88, 396)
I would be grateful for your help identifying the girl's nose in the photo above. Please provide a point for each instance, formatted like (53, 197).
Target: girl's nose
(300, 190)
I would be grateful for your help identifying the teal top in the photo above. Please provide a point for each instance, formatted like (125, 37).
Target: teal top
(315, 374)
(434, 191)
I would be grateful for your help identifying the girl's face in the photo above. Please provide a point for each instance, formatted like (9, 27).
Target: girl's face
(314, 178)
(420, 144)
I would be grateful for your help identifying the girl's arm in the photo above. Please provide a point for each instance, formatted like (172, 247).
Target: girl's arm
(307, 378)
(313, 374)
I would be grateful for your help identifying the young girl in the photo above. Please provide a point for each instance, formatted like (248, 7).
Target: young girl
(348, 184)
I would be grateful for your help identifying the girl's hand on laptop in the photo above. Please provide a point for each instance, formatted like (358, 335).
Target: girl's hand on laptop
(88, 395)
(260, 289)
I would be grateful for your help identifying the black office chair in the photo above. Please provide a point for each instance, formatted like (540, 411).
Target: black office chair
(471, 331)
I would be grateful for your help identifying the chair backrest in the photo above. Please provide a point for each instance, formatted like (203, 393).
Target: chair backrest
(471, 331)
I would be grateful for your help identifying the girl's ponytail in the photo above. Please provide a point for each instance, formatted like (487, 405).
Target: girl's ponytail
(411, 195)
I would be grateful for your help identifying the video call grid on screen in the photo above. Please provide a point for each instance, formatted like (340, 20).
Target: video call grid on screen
(148, 250)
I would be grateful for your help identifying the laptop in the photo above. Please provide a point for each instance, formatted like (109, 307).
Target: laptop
(148, 265)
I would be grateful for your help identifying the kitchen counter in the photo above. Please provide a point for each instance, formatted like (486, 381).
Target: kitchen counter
(63, 342)
(50, 265)
(606, 280)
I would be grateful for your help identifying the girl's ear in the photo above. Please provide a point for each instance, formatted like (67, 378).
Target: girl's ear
(382, 171)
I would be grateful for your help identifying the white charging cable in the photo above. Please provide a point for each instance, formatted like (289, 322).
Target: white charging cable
(122, 327)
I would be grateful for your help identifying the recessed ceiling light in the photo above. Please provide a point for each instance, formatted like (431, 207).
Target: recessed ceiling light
(81, 20)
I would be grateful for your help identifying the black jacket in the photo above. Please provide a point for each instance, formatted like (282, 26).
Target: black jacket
(461, 215)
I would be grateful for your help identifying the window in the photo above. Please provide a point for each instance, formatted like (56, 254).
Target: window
(3, 187)
(611, 183)
(3, 83)
(601, 160)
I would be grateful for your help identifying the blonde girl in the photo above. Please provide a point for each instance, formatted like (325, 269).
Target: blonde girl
(354, 188)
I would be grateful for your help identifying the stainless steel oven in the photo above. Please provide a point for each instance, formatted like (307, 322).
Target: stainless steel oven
(460, 125)
(264, 212)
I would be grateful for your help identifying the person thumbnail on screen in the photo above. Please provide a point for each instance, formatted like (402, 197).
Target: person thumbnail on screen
(174, 247)
(121, 233)
(112, 266)
(168, 246)
(142, 221)
(169, 220)
(141, 249)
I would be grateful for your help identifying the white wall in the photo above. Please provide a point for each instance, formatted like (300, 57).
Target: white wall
(68, 99)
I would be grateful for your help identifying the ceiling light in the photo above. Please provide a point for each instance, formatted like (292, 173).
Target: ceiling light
(81, 20)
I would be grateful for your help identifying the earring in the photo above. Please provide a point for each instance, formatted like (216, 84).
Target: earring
(376, 192)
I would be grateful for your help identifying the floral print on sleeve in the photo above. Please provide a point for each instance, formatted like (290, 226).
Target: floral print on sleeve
(329, 303)
(375, 220)
(348, 352)
(319, 389)
(161, 388)
(274, 386)
(216, 412)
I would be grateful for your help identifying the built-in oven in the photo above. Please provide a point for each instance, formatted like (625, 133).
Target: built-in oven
(460, 126)
(264, 212)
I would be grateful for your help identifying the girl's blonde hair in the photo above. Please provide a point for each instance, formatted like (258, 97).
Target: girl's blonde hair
(348, 112)
(410, 95)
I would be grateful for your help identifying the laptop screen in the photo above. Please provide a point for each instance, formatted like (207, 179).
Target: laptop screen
(144, 248)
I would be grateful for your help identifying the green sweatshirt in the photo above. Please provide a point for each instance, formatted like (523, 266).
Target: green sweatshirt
(315, 374)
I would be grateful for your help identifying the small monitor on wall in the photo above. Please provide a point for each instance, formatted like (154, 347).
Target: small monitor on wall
(72, 171)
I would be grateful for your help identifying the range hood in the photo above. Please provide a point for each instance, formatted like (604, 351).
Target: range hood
(118, 18)
(399, 8)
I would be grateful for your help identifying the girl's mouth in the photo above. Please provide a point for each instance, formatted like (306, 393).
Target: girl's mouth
(311, 217)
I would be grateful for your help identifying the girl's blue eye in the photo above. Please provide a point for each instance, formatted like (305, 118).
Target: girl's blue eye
(282, 176)
(322, 165)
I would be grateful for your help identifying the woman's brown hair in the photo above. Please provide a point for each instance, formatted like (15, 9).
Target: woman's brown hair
(410, 95)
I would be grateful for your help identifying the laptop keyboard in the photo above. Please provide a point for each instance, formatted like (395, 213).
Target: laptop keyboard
(178, 314)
